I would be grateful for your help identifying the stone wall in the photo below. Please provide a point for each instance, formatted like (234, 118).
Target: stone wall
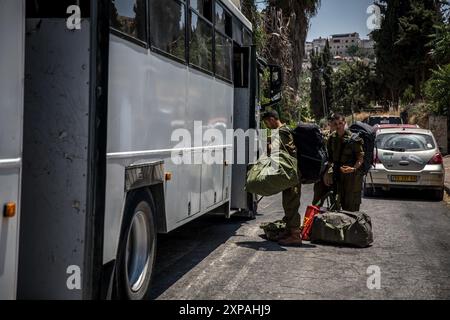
(438, 125)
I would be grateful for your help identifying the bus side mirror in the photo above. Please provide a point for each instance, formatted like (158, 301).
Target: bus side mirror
(276, 85)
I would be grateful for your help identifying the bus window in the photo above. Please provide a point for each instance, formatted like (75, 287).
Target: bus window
(128, 17)
(241, 67)
(223, 21)
(200, 46)
(55, 9)
(247, 38)
(237, 31)
(203, 7)
(168, 27)
(223, 51)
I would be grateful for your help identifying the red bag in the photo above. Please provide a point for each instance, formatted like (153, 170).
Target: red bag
(311, 211)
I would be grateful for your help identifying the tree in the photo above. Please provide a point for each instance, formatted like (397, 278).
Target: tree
(354, 51)
(298, 14)
(437, 91)
(354, 87)
(390, 59)
(415, 29)
(440, 43)
(327, 73)
(316, 86)
(402, 52)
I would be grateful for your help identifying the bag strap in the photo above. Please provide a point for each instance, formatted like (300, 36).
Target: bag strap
(351, 215)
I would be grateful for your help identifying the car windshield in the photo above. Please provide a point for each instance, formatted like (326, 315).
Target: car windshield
(384, 120)
(402, 142)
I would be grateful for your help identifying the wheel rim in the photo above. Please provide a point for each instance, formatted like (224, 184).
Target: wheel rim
(137, 252)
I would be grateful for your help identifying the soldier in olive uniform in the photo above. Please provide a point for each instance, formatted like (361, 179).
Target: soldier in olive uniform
(320, 189)
(291, 197)
(346, 156)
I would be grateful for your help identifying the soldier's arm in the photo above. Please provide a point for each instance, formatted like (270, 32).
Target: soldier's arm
(287, 140)
(330, 156)
(359, 151)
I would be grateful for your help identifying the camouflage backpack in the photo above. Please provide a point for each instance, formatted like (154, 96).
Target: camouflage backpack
(273, 229)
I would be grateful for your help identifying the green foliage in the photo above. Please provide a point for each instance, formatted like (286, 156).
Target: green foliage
(327, 76)
(408, 96)
(440, 43)
(402, 50)
(316, 101)
(321, 83)
(304, 109)
(354, 51)
(437, 91)
(354, 87)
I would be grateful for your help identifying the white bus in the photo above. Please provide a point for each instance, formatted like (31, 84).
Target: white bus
(90, 94)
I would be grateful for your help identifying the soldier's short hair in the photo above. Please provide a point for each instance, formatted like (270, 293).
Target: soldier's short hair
(337, 117)
(271, 114)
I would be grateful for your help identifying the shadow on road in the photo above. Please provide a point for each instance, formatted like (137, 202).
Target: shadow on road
(181, 250)
(268, 245)
(404, 195)
(261, 246)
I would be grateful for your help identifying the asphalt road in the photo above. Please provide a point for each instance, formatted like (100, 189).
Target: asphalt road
(214, 258)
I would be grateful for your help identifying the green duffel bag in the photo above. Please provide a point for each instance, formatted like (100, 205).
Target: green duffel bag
(272, 175)
(343, 228)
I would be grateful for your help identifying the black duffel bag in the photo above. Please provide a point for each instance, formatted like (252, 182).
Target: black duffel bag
(343, 228)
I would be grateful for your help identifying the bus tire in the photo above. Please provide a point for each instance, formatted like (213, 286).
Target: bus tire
(137, 247)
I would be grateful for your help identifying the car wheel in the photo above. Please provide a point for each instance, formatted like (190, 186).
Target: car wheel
(368, 191)
(137, 248)
(438, 195)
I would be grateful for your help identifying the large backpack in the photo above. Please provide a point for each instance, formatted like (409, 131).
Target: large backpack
(311, 152)
(367, 134)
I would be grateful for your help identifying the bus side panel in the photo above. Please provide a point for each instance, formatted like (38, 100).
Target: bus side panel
(146, 104)
(56, 129)
(150, 97)
(12, 32)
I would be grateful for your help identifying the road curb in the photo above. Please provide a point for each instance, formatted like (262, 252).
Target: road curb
(447, 188)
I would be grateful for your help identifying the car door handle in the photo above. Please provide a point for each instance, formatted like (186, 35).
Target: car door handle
(404, 163)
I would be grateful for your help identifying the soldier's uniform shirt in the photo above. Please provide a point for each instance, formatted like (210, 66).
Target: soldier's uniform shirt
(291, 196)
(346, 151)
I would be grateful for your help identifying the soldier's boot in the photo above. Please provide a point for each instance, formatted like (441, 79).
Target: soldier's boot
(282, 235)
(294, 238)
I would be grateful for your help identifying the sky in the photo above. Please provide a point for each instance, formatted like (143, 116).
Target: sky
(340, 16)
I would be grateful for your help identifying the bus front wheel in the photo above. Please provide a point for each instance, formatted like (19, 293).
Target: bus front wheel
(137, 247)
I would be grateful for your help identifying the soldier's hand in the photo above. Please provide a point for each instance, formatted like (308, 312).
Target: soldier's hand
(328, 179)
(347, 170)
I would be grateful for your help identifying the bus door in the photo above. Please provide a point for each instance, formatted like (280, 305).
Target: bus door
(12, 23)
(244, 118)
(61, 94)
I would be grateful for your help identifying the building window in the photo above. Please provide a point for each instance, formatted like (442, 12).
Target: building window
(200, 46)
(168, 27)
(128, 17)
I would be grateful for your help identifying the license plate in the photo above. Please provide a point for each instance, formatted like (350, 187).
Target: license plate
(404, 178)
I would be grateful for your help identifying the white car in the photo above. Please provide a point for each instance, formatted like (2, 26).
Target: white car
(406, 158)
